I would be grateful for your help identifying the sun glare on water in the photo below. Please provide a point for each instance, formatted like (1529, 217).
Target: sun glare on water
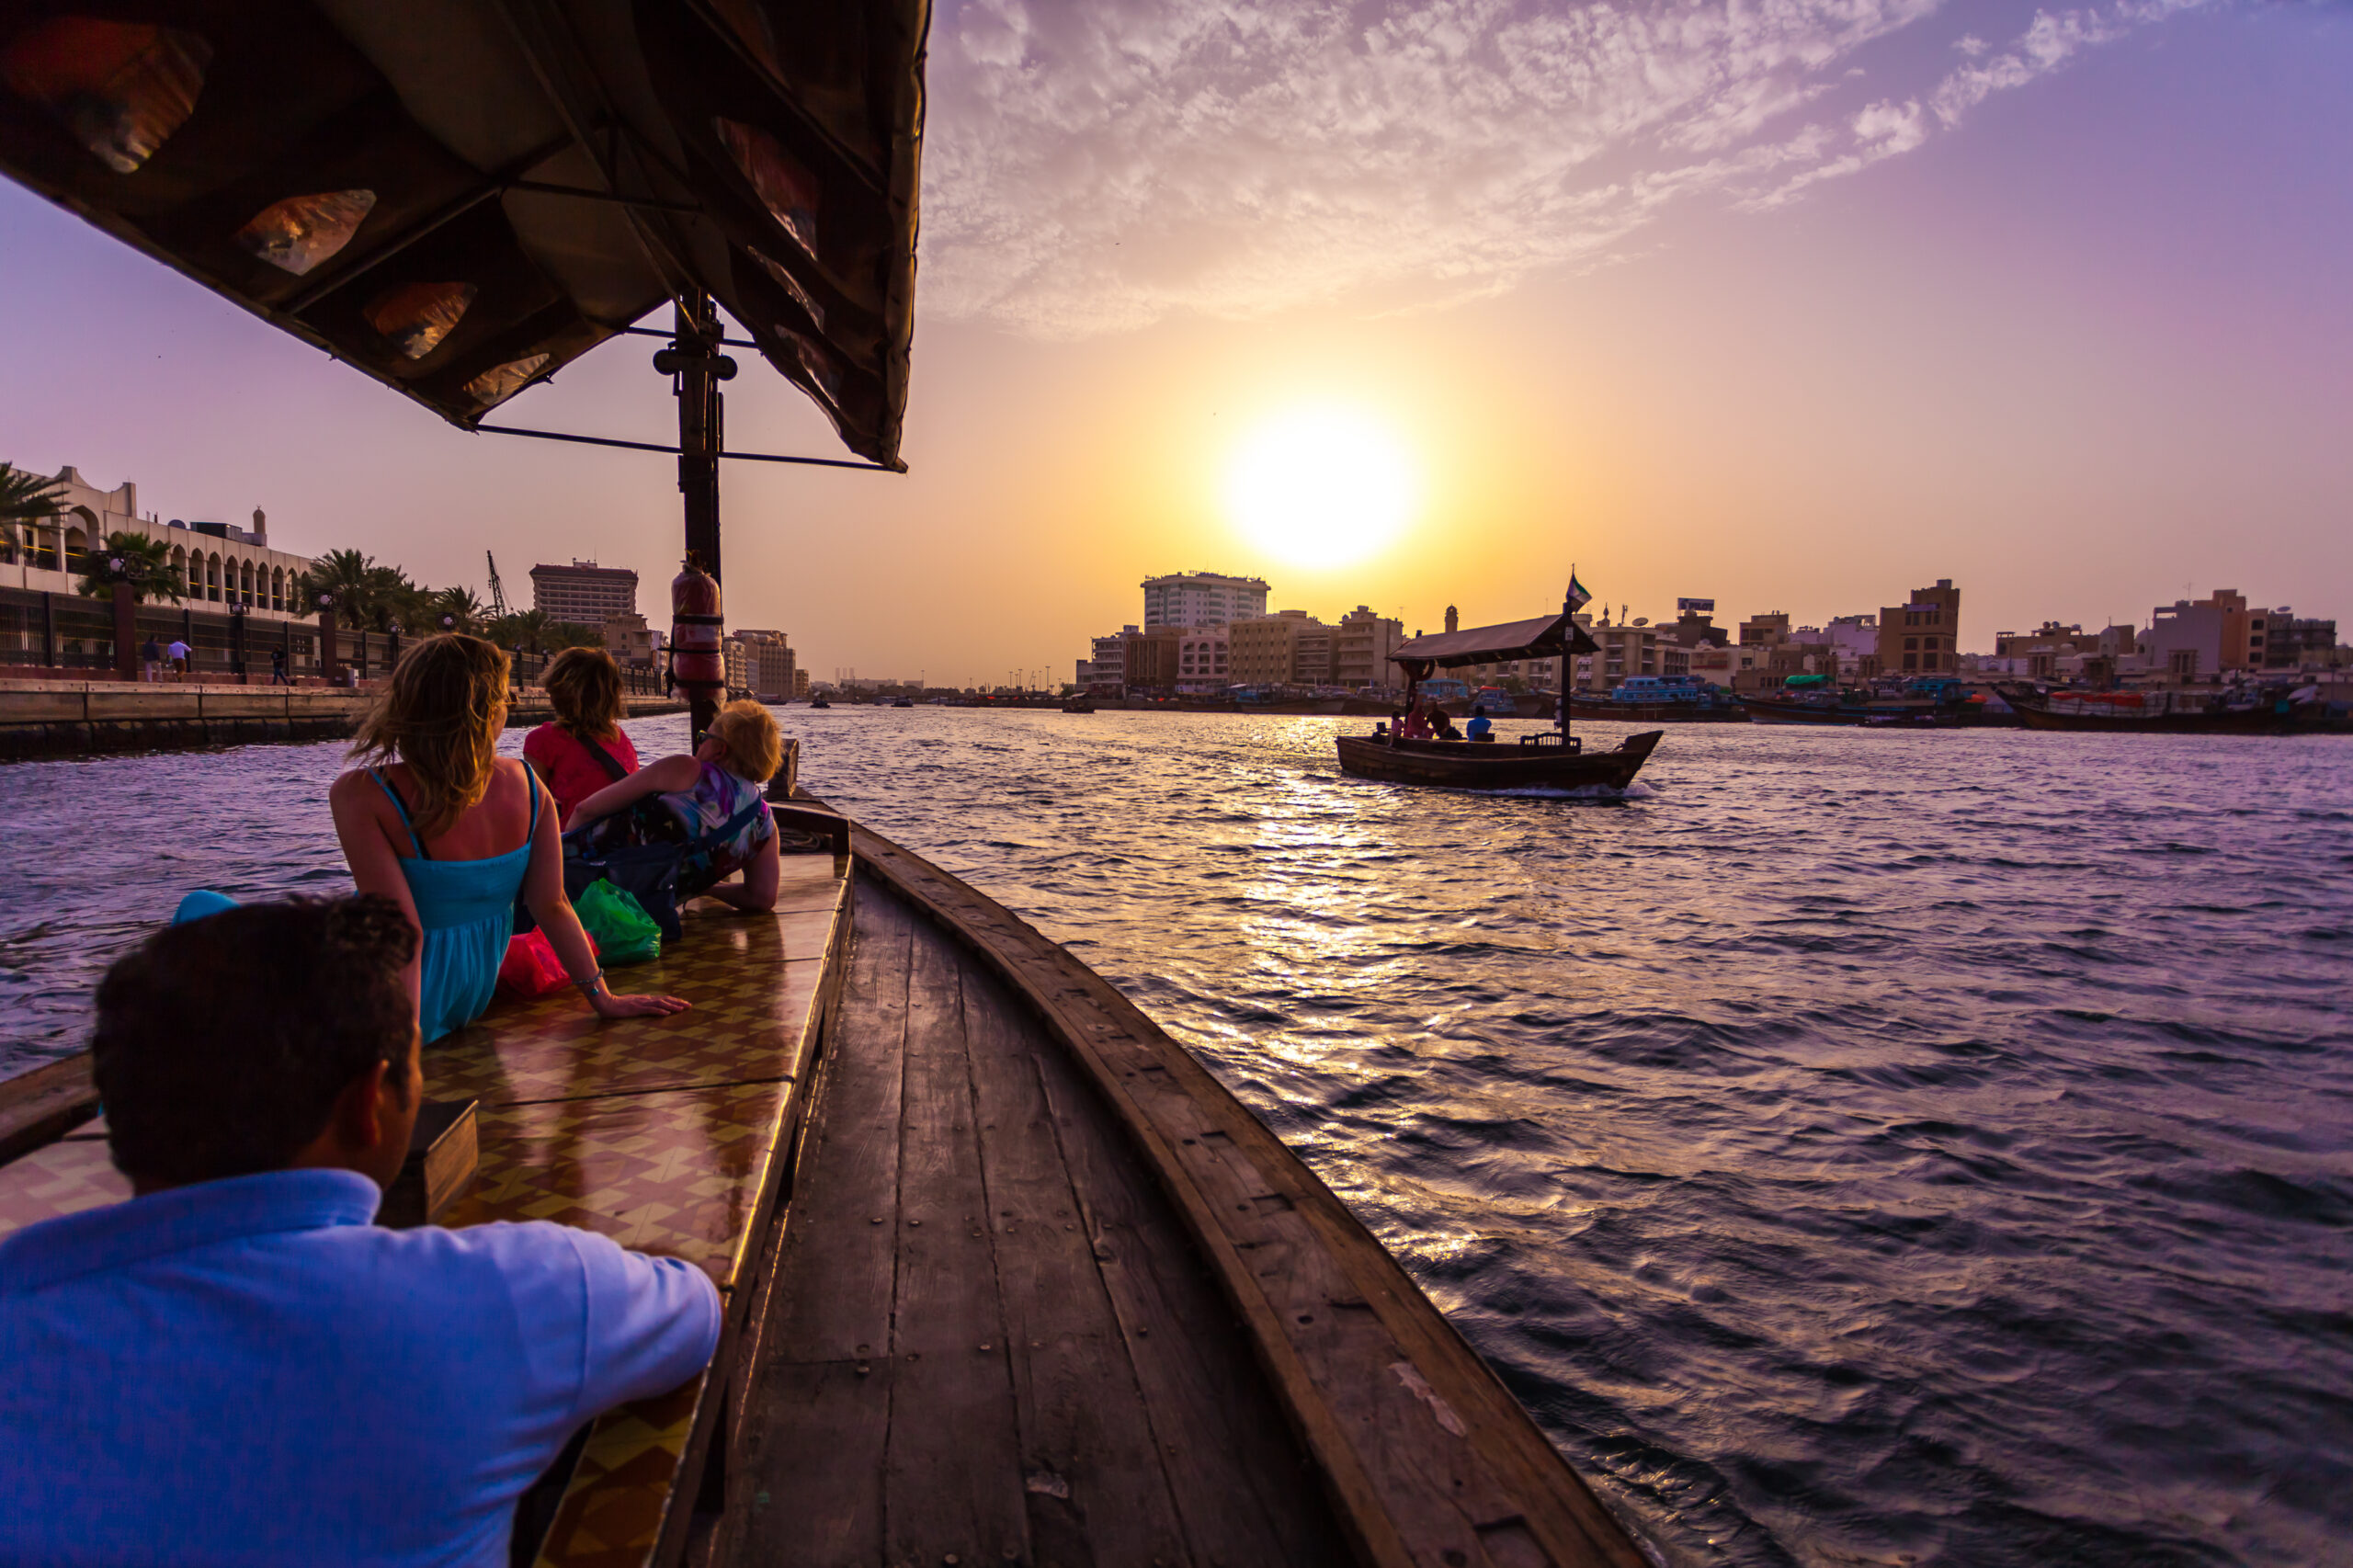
(1321, 486)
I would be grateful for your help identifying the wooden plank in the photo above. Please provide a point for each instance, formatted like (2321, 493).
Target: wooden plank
(1242, 1487)
(809, 1464)
(836, 1278)
(1096, 1489)
(954, 1483)
(45, 1104)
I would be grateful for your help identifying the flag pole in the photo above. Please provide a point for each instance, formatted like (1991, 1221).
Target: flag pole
(1568, 648)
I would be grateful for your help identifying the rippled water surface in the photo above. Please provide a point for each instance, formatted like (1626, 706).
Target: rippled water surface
(1856, 1148)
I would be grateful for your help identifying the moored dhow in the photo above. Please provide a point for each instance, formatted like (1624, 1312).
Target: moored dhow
(1662, 699)
(2279, 710)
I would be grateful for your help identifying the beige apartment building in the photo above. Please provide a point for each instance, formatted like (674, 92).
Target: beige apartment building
(1203, 658)
(769, 668)
(1361, 644)
(1289, 648)
(1923, 636)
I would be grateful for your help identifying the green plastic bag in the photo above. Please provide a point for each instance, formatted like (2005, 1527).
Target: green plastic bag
(624, 931)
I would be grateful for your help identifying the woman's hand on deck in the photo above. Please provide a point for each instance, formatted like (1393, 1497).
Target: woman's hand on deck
(611, 1006)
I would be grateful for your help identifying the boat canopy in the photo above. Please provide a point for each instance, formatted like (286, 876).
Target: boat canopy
(459, 199)
(1545, 637)
(1807, 680)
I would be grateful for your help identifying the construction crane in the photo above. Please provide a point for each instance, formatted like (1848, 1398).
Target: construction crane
(497, 594)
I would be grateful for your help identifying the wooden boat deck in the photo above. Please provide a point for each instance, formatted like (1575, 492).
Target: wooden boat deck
(992, 1340)
(1009, 1277)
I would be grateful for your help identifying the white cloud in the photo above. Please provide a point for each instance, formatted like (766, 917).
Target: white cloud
(1094, 165)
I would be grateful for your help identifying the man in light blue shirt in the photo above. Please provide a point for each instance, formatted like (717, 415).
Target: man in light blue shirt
(236, 1365)
(1480, 727)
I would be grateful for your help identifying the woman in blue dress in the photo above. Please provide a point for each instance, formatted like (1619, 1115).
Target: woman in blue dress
(455, 833)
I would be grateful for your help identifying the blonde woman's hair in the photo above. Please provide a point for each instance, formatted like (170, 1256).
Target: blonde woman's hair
(440, 713)
(585, 688)
(755, 747)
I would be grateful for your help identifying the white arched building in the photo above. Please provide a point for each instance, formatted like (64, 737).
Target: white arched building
(219, 564)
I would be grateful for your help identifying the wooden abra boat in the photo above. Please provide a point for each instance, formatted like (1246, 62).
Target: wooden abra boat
(1555, 761)
(1011, 1278)
(1536, 762)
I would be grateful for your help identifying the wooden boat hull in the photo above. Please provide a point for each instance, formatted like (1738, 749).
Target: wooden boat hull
(1462, 765)
(2034, 712)
(1659, 713)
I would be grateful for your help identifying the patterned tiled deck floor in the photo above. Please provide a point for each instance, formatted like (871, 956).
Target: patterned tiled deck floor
(661, 1133)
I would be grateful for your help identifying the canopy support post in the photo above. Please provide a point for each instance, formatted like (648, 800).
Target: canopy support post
(1568, 657)
(701, 434)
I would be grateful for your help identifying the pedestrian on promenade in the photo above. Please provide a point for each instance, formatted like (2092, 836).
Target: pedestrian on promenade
(277, 667)
(584, 749)
(454, 834)
(178, 652)
(236, 1364)
(151, 659)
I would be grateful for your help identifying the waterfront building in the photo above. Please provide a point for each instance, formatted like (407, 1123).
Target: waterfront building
(1695, 625)
(1764, 630)
(1202, 660)
(800, 682)
(1922, 636)
(1110, 664)
(2185, 640)
(1628, 648)
(1289, 648)
(1202, 598)
(770, 666)
(584, 592)
(1361, 648)
(219, 565)
(630, 642)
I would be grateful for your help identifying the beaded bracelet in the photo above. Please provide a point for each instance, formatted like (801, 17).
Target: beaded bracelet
(589, 986)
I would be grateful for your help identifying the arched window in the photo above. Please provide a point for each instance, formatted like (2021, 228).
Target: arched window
(212, 578)
(245, 581)
(278, 588)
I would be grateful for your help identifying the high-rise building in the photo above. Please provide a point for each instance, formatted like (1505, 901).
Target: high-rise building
(1202, 598)
(584, 592)
(1922, 637)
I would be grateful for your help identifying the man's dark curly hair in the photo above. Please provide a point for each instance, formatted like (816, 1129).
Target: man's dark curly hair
(222, 1044)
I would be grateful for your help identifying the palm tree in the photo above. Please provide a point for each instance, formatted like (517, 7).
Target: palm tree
(458, 603)
(531, 630)
(345, 573)
(25, 498)
(572, 634)
(147, 569)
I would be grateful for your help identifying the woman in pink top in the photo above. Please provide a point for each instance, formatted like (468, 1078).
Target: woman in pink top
(584, 750)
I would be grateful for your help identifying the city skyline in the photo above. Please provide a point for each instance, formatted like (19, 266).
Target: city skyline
(2077, 342)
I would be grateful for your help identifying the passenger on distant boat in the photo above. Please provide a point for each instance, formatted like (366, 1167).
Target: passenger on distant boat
(236, 1364)
(1480, 727)
(584, 749)
(453, 834)
(1442, 725)
(715, 797)
(1417, 726)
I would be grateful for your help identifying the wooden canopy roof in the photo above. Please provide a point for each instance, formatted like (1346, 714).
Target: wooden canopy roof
(461, 196)
(1545, 637)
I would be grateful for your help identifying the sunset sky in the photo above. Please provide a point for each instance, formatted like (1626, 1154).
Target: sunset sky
(1795, 305)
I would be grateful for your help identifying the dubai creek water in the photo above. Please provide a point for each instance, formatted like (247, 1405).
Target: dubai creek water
(1855, 1148)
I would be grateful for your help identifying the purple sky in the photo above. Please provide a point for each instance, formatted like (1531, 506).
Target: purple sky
(1797, 307)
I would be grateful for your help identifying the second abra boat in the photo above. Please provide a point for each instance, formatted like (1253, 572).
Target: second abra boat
(1549, 759)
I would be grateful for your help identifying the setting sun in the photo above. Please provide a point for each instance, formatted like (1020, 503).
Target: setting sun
(1321, 486)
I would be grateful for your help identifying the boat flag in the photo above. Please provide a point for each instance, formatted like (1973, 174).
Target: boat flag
(1577, 596)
